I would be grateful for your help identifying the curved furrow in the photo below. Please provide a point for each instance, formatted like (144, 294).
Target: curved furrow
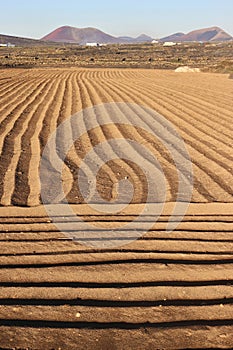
(50, 124)
(193, 134)
(92, 138)
(174, 91)
(66, 109)
(12, 147)
(7, 109)
(43, 114)
(209, 195)
(9, 79)
(76, 97)
(71, 159)
(27, 188)
(212, 99)
(133, 133)
(197, 105)
(50, 121)
(77, 152)
(203, 82)
(67, 177)
(218, 115)
(226, 154)
(215, 95)
(200, 192)
(109, 73)
(16, 109)
(106, 133)
(168, 81)
(84, 145)
(218, 184)
(168, 102)
(10, 88)
(63, 135)
(35, 102)
(207, 138)
(178, 116)
(96, 98)
(20, 79)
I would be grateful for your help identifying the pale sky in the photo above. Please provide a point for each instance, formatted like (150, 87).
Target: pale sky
(122, 17)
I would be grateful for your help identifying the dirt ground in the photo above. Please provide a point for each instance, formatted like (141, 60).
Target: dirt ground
(214, 57)
(160, 291)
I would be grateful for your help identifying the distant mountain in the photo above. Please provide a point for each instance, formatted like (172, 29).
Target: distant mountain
(82, 36)
(86, 35)
(206, 34)
(143, 38)
(173, 37)
(18, 41)
(79, 36)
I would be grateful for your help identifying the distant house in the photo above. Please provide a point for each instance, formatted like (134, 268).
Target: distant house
(92, 44)
(169, 43)
(154, 41)
(10, 45)
(7, 45)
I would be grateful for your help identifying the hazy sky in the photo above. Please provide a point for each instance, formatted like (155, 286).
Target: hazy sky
(122, 17)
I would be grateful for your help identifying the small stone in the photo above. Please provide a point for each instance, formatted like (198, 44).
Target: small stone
(222, 335)
(78, 315)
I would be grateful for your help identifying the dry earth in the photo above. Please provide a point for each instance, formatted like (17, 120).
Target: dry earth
(34, 102)
(163, 291)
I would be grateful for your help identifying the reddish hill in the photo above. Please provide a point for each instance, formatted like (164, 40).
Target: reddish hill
(84, 35)
(79, 35)
(206, 34)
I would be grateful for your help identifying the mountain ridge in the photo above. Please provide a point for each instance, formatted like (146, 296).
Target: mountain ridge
(72, 35)
(204, 34)
(84, 35)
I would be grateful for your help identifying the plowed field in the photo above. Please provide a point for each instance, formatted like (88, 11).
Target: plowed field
(162, 291)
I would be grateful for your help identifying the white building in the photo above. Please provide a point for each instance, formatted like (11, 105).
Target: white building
(92, 44)
(7, 45)
(154, 42)
(10, 45)
(169, 43)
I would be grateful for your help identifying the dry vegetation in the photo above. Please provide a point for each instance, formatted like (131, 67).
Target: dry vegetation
(216, 57)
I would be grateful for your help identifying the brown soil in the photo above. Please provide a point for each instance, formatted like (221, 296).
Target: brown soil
(35, 102)
(162, 291)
